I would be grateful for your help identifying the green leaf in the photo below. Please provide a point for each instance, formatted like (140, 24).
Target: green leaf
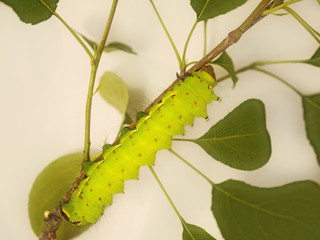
(241, 139)
(214, 7)
(226, 62)
(91, 43)
(114, 91)
(114, 46)
(32, 11)
(289, 212)
(193, 232)
(311, 107)
(315, 59)
(47, 190)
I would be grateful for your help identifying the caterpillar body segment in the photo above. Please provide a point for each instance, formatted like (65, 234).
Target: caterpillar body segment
(139, 146)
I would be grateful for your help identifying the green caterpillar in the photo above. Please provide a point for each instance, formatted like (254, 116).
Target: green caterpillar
(138, 146)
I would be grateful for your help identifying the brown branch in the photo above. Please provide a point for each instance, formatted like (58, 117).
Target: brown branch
(236, 34)
(53, 219)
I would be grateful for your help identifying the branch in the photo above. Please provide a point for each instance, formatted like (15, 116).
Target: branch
(236, 34)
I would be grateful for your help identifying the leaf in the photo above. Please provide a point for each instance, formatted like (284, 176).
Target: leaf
(114, 91)
(315, 59)
(114, 46)
(32, 11)
(214, 8)
(226, 62)
(61, 173)
(197, 233)
(91, 43)
(241, 139)
(289, 212)
(311, 107)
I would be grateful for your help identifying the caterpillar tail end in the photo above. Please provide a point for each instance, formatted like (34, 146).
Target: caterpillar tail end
(66, 217)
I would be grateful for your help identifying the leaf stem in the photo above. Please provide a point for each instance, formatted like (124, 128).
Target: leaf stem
(312, 31)
(189, 164)
(253, 66)
(234, 35)
(189, 37)
(278, 78)
(243, 69)
(94, 67)
(165, 192)
(273, 9)
(262, 63)
(69, 28)
(167, 33)
(183, 222)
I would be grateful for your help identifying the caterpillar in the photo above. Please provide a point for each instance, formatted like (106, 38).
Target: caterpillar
(138, 146)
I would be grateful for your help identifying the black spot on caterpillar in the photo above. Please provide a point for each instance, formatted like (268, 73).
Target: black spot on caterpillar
(138, 146)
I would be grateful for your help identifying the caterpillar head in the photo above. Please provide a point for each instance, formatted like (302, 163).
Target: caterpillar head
(207, 74)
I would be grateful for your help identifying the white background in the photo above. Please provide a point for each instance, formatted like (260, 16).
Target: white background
(44, 78)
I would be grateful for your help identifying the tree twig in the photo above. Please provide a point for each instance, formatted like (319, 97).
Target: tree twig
(236, 34)
(232, 38)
